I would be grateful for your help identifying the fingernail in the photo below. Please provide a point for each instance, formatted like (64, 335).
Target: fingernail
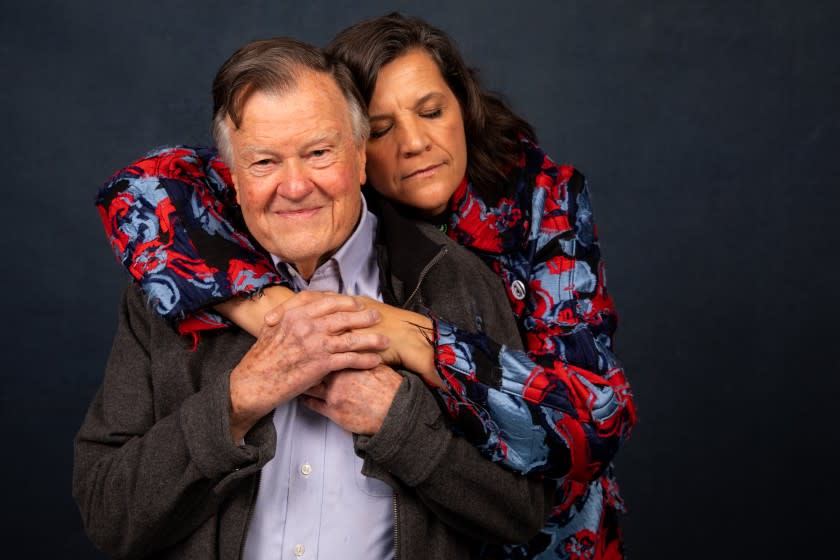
(271, 317)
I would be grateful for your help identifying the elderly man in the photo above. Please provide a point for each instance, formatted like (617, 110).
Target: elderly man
(243, 448)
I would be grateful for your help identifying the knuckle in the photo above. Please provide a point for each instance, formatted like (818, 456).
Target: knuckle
(351, 340)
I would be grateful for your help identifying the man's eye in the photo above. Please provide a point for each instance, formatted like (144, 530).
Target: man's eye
(262, 162)
(318, 153)
(433, 114)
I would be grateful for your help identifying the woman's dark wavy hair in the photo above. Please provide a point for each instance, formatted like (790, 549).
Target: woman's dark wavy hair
(492, 129)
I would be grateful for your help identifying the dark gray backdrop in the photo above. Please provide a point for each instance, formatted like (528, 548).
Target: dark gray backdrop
(709, 132)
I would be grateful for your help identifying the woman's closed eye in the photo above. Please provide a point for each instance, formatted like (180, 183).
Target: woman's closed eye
(379, 131)
(432, 113)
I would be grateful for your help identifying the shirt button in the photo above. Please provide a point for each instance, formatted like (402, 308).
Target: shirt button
(305, 470)
(299, 550)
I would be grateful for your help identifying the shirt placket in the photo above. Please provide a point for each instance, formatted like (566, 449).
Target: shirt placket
(306, 486)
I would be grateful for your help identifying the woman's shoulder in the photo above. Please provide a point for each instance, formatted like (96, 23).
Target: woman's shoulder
(535, 162)
(547, 192)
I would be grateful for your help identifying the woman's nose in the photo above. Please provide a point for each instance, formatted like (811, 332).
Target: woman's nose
(413, 138)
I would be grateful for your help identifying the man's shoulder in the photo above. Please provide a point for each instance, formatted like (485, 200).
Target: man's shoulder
(140, 320)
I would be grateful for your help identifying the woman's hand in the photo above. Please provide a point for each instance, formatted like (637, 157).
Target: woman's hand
(410, 334)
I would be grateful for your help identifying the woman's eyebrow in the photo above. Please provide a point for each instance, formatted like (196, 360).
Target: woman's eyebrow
(428, 97)
(419, 103)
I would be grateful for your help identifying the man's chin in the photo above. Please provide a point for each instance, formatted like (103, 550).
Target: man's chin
(300, 249)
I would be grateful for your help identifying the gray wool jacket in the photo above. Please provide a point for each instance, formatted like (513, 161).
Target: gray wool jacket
(157, 475)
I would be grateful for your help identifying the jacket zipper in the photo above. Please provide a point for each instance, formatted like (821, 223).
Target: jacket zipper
(424, 272)
(396, 528)
(250, 514)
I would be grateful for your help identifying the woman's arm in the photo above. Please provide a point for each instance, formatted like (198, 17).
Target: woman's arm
(171, 221)
(568, 380)
(250, 313)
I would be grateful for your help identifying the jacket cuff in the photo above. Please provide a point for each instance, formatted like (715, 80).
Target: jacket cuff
(465, 356)
(205, 421)
(413, 438)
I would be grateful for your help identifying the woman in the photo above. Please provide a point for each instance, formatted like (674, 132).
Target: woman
(452, 154)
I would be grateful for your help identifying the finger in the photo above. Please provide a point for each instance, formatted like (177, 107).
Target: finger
(303, 297)
(319, 304)
(351, 320)
(318, 391)
(355, 342)
(273, 317)
(296, 300)
(317, 405)
(353, 360)
(382, 369)
(329, 304)
(299, 300)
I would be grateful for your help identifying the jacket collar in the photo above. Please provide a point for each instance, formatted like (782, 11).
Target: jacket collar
(406, 245)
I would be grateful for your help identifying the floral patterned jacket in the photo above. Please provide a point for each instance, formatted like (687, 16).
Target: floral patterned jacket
(561, 409)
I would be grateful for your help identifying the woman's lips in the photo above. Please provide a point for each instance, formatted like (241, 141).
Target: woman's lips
(423, 172)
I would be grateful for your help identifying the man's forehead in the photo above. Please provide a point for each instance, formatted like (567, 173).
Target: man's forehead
(308, 114)
(300, 81)
(310, 91)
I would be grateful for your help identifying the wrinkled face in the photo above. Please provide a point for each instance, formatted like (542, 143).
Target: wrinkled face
(297, 171)
(417, 152)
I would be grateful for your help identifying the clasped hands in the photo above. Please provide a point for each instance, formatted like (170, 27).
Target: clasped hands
(336, 353)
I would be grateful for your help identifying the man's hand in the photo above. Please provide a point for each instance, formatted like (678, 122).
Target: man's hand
(314, 336)
(355, 399)
(409, 333)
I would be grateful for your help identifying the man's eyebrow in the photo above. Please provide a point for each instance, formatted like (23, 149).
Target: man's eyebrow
(320, 137)
(330, 136)
(249, 150)
(419, 103)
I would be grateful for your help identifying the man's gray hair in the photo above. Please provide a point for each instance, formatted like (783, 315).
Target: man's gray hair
(274, 66)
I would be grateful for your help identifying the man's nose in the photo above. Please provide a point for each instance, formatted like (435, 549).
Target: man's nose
(413, 138)
(294, 183)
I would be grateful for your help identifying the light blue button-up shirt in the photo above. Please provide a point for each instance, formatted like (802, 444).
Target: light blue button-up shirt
(313, 501)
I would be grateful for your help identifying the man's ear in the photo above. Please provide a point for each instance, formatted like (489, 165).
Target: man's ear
(362, 163)
(235, 186)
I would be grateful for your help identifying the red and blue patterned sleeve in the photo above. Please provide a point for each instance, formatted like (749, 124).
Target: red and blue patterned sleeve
(563, 406)
(172, 222)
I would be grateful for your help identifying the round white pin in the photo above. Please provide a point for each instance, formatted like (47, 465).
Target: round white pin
(518, 289)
